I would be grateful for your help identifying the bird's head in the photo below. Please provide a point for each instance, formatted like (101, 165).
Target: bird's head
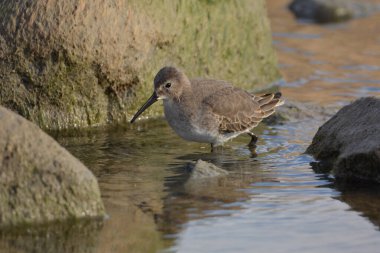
(169, 84)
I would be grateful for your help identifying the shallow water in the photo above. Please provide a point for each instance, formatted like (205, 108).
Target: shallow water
(328, 64)
(272, 202)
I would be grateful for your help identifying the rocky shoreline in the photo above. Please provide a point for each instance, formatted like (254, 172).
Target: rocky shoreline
(62, 76)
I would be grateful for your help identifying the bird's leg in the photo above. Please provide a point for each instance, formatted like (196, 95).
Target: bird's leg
(252, 143)
(216, 148)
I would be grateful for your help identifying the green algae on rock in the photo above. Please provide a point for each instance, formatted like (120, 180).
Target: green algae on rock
(40, 181)
(67, 64)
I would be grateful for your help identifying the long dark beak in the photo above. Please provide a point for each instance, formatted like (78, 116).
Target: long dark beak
(148, 103)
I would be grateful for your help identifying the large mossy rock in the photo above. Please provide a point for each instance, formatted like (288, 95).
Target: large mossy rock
(39, 180)
(348, 145)
(73, 63)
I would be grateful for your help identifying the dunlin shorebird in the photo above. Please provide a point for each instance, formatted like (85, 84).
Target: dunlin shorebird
(208, 111)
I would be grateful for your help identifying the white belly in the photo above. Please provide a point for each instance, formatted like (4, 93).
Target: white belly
(188, 128)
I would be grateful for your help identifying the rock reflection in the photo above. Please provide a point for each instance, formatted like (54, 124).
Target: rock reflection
(132, 189)
(189, 199)
(74, 236)
(130, 229)
(362, 198)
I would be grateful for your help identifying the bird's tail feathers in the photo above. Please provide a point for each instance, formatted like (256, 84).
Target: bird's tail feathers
(268, 103)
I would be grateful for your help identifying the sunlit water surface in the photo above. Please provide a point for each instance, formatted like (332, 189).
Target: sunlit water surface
(270, 203)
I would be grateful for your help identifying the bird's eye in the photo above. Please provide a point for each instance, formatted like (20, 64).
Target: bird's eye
(167, 85)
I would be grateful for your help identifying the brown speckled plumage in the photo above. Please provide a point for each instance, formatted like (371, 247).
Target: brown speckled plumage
(211, 111)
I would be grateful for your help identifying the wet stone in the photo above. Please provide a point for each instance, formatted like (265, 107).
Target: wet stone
(40, 181)
(204, 170)
(294, 111)
(331, 11)
(348, 145)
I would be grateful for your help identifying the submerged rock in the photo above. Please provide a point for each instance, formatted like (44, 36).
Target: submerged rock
(294, 111)
(207, 181)
(71, 63)
(204, 170)
(348, 144)
(330, 11)
(39, 180)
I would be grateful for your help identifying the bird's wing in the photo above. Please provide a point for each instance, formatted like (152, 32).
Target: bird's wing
(238, 110)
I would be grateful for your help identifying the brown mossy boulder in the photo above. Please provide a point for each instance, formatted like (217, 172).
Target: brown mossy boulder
(348, 145)
(40, 181)
(67, 64)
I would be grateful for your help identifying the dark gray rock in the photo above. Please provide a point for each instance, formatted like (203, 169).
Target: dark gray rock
(330, 11)
(348, 145)
(39, 180)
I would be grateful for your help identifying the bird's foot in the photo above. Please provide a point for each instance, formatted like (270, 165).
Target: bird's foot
(252, 143)
(253, 152)
(216, 148)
